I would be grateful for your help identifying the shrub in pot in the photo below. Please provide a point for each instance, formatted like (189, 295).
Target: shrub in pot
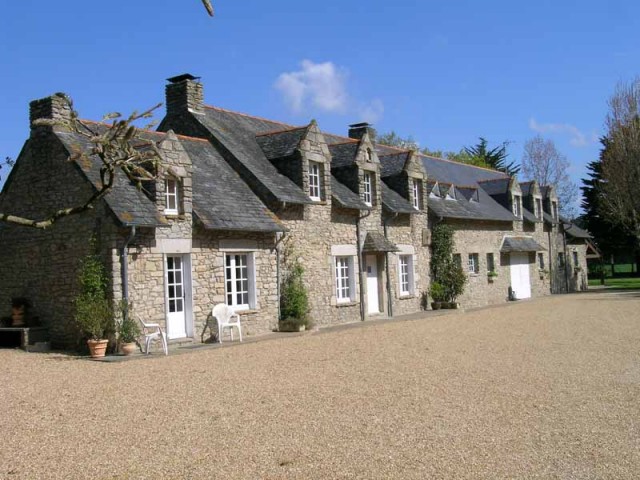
(294, 301)
(93, 310)
(128, 329)
(438, 293)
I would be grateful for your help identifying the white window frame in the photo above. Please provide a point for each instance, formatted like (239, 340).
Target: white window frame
(231, 291)
(537, 205)
(517, 206)
(344, 278)
(367, 188)
(406, 283)
(315, 181)
(417, 194)
(473, 263)
(171, 195)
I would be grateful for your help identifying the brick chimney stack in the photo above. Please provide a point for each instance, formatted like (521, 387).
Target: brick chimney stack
(55, 107)
(184, 93)
(357, 131)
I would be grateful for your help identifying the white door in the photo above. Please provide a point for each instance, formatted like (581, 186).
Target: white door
(175, 281)
(520, 279)
(373, 303)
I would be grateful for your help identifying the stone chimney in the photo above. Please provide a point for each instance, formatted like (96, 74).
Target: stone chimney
(357, 131)
(184, 93)
(56, 107)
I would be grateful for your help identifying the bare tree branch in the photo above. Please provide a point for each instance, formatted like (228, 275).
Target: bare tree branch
(208, 6)
(117, 147)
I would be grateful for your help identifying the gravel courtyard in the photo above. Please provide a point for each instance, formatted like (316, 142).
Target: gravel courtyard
(543, 389)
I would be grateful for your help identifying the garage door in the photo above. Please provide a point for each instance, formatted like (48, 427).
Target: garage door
(520, 279)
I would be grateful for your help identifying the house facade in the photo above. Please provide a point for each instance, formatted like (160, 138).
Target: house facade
(239, 198)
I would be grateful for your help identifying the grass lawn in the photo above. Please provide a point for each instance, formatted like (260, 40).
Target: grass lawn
(629, 283)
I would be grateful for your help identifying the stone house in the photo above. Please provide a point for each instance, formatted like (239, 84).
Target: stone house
(240, 197)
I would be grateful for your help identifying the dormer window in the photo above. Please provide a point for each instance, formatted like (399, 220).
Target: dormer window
(171, 196)
(314, 181)
(537, 206)
(554, 210)
(517, 206)
(451, 193)
(417, 194)
(367, 189)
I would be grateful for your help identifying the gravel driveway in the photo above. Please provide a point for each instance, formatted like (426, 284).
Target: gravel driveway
(543, 389)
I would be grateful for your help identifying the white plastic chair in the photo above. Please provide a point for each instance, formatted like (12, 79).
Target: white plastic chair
(224, 315)
(153, 331)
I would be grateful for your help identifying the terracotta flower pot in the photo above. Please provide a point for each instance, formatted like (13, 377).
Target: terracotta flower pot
(97, 348)
(128, 348)
(436, 305)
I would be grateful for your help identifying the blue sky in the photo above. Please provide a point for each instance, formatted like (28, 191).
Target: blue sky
(444, 73)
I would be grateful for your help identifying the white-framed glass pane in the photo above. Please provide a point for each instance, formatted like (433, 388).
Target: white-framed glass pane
(314, 180)
(343, 281)
(238, 281)
(405, 274)
(171, 195)
(472, 264)
(367, 188)
(416, 194)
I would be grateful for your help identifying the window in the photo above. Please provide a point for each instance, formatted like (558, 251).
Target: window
(417, 194)
(575, 259)
(367, 188)
(472, 265)
(491, 263)
(434, 190)
(405, 272)
(538, 207)
(239, 280)
(314, 181)
(457, 259)
(541, 261)
(171, 196)
(554, 210)
(561, 259)
(344, 279)
(517, 206)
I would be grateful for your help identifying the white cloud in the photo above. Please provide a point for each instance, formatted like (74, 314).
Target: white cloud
(323, 87)
(372, 111)
(577, 137)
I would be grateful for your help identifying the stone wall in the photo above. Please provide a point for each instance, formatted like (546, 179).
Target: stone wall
(42, 265)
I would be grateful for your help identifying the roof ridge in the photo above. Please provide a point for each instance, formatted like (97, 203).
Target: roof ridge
(351, 141)
(461, 163)
(493, 179)
(220, 109)
(275, 132)
(145, 130)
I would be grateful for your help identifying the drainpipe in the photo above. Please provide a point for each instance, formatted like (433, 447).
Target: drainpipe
(360, 264)
(125, 264)
(278, 273)
(566, 258)
(385, 224)
(552, 273)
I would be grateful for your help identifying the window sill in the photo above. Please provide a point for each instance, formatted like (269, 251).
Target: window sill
(318, 202)
(248, 311)
(407, 296)
(346, 304)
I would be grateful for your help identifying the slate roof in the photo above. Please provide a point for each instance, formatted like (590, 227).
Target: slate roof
(498, 186)
(469, 193)
(345, 197)
(129, 204)
(343, 154)
(573, 230)
(237, 134)
(548, 218)
(221, 200)
(376, 242)
(526, 188)
(520, 244)
(282, 143)
(485, 209)
(395, 202)
(393, 164)
(528, 216)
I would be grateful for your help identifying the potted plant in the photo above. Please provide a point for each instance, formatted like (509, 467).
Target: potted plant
(93, 310)
(294, 301)
(491, 275)
(128, 329)
(438, 294)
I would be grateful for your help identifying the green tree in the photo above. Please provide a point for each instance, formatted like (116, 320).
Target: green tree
(445, 271)
(495, 158)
